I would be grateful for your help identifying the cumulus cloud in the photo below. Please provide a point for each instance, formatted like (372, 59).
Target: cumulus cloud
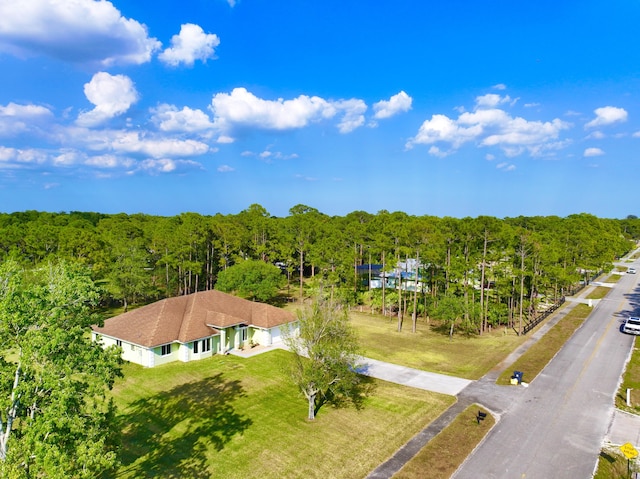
(109, 161)
(112, 95)
(17, 158)
(225, 169)
(134, 142)
(189, 45)
(242, 109)
(399, 103)
(593, 152)
(353, 114)
(491, 100)
(607, 115)
(77, 31)
(15, 118)
(490, 126)
(169, 118)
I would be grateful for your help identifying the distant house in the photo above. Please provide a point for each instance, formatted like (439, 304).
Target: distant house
(192, 327)
(404, 273)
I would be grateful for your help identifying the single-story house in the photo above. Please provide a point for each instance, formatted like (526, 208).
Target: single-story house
(192, 327)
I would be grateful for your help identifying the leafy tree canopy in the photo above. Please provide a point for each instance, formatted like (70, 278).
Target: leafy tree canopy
(55, 418)
(325, 361)
(255, 280)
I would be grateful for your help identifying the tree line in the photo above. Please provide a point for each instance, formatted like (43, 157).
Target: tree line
(477, 273)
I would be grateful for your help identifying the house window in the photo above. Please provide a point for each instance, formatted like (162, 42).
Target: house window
(118, 343)
(206, 345)
(165, 350)
(195, 347)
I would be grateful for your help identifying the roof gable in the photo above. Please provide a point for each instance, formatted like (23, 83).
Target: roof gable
(191, 317)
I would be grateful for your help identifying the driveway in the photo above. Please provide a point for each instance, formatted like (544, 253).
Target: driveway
(414, 378)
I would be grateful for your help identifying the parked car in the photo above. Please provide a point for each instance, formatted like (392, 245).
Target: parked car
(631, 271)
(631, 325)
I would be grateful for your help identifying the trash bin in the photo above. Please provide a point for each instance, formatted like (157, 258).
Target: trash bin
(518, 376)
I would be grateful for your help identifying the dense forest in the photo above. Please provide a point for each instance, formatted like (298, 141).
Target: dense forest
(476, 272)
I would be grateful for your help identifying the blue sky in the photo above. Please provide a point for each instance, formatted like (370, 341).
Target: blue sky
(455, 108)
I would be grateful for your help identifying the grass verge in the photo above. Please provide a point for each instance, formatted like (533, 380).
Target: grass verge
(630, 380)
(442, 456)
(612, 463)
(429, 350)
(543, 350)
(598, 292)
(242, 418)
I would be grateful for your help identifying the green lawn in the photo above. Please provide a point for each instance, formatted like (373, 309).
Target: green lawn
(534, 360)
(241, 418)
(442, 456)
(426, 349)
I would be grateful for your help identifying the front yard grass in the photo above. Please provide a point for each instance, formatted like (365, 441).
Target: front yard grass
(242, 418)
(428, 350)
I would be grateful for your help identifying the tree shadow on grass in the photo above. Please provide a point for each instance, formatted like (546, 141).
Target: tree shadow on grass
(173, 431)
(356, 396)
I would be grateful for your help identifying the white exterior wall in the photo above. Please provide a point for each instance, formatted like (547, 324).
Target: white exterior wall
(130, 352)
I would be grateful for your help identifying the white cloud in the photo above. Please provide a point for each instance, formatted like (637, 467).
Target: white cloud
(491, 100)
(505, 166)
(112, 95)
(490, 126)
(442, 128)
(109, 161)
(169, 118)
(225, 169)
(242, 109)
(166, 165)
(24, 111)
(607, 115)
(15, 118)
(435, 151)
(77, 31)
(189, 45)
(396, 104)
(133, 142)
(589, 152)
(15, 157)
(595, 135)
(500, 86)
(353, 114)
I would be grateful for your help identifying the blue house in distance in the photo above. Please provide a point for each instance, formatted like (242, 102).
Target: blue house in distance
(372, 276)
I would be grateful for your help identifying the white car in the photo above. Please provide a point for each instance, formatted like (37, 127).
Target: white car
(631, 325)
(631, 271)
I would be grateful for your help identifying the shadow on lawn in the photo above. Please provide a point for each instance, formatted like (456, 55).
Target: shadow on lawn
(172, 431)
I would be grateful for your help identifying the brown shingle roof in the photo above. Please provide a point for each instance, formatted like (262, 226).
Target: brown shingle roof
(191, 317)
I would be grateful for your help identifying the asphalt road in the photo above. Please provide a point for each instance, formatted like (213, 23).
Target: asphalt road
(555, 427)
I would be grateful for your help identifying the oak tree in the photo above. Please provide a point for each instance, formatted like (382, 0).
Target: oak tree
(56, 419)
